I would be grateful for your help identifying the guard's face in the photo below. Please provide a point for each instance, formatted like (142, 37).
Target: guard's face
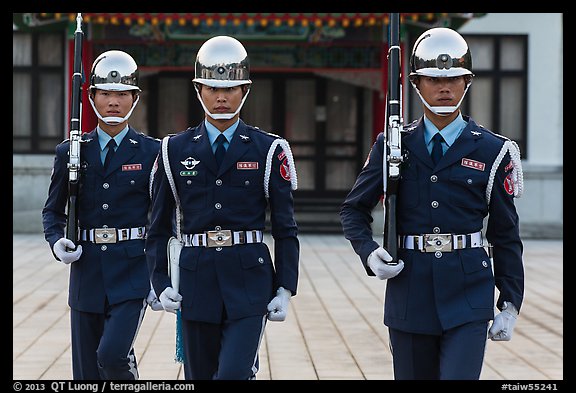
(221, 100)
(113, 103)
(441, 91)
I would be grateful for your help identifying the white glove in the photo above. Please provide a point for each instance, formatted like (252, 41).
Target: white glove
(503, 325)
(170, 299)
(377, 262)
(153, 301)
(60, 250)
(278, 307)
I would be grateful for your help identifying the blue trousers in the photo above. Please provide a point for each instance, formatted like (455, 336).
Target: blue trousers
(103, 344)
(457, 353)
(225, 351)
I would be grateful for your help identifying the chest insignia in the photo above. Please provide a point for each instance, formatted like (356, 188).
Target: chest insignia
(132, 141)
(190, 163)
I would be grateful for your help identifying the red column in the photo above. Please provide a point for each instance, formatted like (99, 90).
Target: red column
(379, 107)
(89, 119)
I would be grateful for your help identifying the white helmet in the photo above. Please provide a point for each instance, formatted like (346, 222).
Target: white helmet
(114, 70)
(441, 53)
(222, 62)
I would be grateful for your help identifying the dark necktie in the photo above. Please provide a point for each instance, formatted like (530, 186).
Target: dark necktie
(220, 150)
(111, 145)
(437, 148)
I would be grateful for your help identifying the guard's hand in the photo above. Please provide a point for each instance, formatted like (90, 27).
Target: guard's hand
(377, 262)
(60, 250)
(170, 300)
(278, 307)
(153, 301)
(503, 325)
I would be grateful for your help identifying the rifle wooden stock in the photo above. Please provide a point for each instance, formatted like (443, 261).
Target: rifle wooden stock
(392, 146)
(75, 136)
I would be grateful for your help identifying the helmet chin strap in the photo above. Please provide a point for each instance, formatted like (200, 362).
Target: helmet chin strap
(441, 110)
(113, 120)
(221, 116)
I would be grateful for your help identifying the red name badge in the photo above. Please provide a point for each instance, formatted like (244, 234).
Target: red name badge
(473, 164)
(247, 165)
(132, 167)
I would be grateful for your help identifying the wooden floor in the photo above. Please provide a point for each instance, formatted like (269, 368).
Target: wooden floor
(333, 331)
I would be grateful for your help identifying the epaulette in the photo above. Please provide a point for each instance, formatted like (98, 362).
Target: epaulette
(486, 130)
(411, 126)
(256, 129)
(149, 137)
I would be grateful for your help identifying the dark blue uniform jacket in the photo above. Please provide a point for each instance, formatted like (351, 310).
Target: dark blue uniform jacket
(116, 198)
(239, 280)
(432, 294)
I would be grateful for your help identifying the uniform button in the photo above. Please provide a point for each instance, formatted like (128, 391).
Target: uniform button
(438, 254)
(218, 206)
(188, 182)
(434, 204)
(218, 248)
(218, 182)
(469, 181)
(132, 182)
(436, 230)
(104, 247)
(105, 186)
(217, 227)
(247, 183)
(261, 260)
(484, 263)
(105, 206)
(433, 178)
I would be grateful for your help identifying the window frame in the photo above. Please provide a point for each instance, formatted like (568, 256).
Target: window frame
(35, 70)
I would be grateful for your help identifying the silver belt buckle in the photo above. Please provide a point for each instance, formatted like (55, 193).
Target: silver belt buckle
(221, 238)
(105, 235)
(437, 242)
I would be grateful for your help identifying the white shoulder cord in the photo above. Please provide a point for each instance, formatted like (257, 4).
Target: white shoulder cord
(517, 174)
(172, 185)
(291, 166)
(152, 174)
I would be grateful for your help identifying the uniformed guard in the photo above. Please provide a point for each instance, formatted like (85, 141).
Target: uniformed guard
(109, 280)
(440, 296)
(227, 174)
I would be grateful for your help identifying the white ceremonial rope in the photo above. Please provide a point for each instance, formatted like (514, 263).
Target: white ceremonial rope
(291, 166)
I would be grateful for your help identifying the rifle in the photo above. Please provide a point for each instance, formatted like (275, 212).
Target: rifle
(392, 142)
(75, 136)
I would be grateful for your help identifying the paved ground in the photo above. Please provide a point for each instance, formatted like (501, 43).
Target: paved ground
(334, 328)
